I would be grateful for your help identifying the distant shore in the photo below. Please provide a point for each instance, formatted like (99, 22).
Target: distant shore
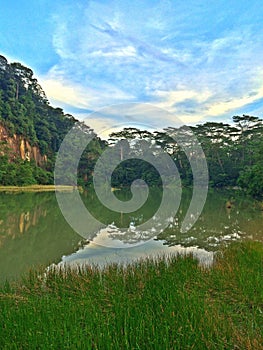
(36, 188)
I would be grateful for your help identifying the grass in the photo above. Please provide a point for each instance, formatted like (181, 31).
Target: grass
(34, 188)
(148, 305)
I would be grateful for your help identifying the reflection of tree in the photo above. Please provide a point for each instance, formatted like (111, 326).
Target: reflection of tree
(19, 220)
(29, 219)
(217, 224)
(33, 233)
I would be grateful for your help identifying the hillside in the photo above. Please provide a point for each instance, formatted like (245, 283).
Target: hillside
(31, 130)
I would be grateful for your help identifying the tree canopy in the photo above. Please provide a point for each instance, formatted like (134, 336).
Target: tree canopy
(233, 152)
(26, 111)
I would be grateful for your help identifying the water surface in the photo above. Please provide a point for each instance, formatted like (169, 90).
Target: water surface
(33, 231)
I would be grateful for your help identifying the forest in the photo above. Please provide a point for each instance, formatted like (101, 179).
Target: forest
(26, 111)
(233, 152)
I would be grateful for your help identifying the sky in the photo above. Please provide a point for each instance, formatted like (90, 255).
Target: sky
(199, 60)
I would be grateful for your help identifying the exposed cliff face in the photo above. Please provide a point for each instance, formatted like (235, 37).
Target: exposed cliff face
(18, 146)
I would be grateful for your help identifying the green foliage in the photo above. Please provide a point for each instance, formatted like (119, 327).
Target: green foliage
(25, 111)
(155, 304)
(251, 179)
(22, 173)
(233, 153)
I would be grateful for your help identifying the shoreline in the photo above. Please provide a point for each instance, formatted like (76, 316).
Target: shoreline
(219, 308)
(36, 188)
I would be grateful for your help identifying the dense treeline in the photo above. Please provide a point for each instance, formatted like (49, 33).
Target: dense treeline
(25, 111)
(233, 152)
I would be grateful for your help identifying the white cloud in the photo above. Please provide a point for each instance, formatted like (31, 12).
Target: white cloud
(65, 93)
(102, 126)
(186, 59)
(222, 107)
(62, 91)
(128, 51)
(170, 98)
(139, 115)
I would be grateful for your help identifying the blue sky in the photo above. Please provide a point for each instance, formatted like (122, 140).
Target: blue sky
(199, 60)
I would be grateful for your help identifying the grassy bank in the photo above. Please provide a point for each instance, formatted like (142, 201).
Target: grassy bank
(150, 305)
(34, 188)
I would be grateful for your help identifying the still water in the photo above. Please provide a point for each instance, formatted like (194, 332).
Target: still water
(33, 231)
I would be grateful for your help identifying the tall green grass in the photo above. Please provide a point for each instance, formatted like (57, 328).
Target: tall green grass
(148, 305)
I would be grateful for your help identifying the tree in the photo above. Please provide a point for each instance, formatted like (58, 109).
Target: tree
(25, 111)
(251, 179)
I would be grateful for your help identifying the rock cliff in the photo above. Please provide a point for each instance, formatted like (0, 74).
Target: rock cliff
(18, 146)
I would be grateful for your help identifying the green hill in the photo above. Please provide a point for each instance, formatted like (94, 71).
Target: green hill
(31, 130)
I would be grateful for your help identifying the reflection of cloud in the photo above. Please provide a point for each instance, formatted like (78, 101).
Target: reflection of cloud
(101, 256)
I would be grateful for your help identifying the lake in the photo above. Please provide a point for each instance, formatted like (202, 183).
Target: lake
(33, 231)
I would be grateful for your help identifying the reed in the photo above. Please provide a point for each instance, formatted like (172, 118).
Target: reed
(174, 304)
